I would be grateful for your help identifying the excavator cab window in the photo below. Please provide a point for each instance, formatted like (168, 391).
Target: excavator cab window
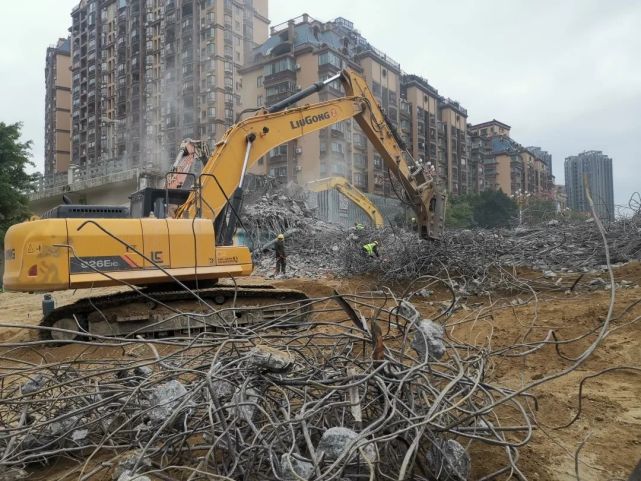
(162, 202)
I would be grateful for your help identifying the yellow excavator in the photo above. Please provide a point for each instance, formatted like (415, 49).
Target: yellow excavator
(173, 245)
(352, 193)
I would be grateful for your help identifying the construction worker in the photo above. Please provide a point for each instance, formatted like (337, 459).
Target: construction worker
(371, 249)
(280, 254)
(414, 224)
(358, 226)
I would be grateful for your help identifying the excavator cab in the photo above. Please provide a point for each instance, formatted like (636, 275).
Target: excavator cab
(161, 202)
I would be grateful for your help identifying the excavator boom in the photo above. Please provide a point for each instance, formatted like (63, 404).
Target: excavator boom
(254, 137)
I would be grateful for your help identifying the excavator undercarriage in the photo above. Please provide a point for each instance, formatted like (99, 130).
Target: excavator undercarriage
(162, 312)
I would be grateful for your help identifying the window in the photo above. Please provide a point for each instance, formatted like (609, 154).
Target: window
(338, 148)
(259, 100)
(280, 150)
(360, 161)
(378, 161)
(279, 66)
(229, 99)
(360, 179)
(281, 88)
(330, 58)
(376, 89)
(359, 141)
(211, 112)
(211, 96)
(228, 51)
(259, 81)
(229, 82)
(278, 171)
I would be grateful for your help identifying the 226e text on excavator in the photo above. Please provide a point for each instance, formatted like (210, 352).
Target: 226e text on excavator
(173, 259)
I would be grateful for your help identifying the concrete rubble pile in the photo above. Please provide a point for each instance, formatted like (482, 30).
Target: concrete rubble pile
(312, 403)
(477, 261)
(311, 243)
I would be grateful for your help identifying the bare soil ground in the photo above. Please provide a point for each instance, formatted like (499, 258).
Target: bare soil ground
(609, 425)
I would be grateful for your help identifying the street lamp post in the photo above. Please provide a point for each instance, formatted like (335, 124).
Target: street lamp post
(521, 199)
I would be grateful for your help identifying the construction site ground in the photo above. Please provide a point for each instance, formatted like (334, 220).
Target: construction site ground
(608, 430)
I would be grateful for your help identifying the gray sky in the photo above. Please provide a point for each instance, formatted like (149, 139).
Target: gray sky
(565, 75)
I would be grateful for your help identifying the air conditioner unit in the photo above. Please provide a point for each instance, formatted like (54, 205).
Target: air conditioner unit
(297, 66)
(299, 150)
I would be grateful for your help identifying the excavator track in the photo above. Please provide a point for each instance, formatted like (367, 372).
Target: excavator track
(166, 313)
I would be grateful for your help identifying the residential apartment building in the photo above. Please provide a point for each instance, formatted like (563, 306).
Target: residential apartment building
(499, 162)
(598, 168)
(544, 155)
(436, 129)
(303, 51)
(58, 109)
(149, 73)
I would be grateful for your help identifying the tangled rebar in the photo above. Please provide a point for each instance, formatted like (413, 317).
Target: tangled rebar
(266, 403)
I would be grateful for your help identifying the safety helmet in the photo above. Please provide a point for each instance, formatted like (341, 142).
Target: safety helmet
(280, 237)
(376, 242)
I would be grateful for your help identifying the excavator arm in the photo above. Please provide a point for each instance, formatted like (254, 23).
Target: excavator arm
(250, 139)
(352, 193)
(188, 152)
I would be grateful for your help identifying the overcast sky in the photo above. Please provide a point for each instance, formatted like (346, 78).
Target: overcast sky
(565, 75)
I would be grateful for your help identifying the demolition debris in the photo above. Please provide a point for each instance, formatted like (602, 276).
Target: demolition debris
(262, 403)
(476, 260)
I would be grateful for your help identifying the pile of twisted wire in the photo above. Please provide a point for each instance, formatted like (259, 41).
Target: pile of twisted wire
(327, 400)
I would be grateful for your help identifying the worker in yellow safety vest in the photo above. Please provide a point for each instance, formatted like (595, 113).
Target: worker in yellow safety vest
(371, 249)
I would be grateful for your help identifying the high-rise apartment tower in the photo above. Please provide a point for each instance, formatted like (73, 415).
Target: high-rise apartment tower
(598, 168)
(58, 108)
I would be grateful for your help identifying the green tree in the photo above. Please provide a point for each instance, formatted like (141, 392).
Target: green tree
(459, 212)
(494, 209)
(536, 211)
(15, 182)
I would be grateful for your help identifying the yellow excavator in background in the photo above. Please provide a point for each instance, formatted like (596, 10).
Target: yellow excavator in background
(173, 258)
(352, 193)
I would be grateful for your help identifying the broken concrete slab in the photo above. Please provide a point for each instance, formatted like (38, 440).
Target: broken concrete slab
(449, 461)
(428, 340)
